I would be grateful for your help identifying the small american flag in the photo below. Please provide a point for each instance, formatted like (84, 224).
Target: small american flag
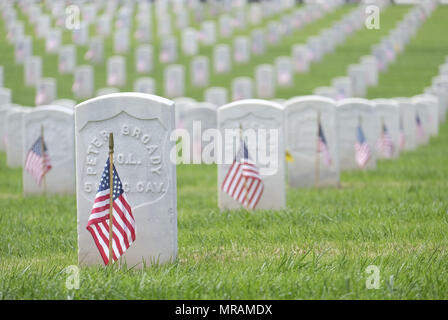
(420, 130)
(243, 182)
(37, 161)
(362, 150)
(323, 147)
(123, 220)
(385, 144)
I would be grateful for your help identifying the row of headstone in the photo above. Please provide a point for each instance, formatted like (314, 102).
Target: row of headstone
(363, 75)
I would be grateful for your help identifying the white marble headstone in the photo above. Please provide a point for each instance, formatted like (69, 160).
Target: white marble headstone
(95, 53)
(242, 88)
(358, 78)
(265, 81)
(145, 85)
(311, 167)
(14, 143)
(388, 111)
(141, 125)
(301, 57)
(58, 129)
(116, 71)
(83, 82)
(174, 80)
(408, 123)
(45, 91)
(222, 61)
(190, 42)
(241, 49)
(168, 50)
(67, 59)
(144, 58)
(351, 113)
(33, 70)
(53, 40)
(268, 152)
(216, 95)
(199, 71)
(23, 49)
(284, 71)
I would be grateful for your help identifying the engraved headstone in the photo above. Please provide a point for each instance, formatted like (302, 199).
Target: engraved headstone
(357, 75)
(141, 125)
(263, 120)
(58, 127)
(116, 71)
(45, 91)
(343, 86)
(353, 113)
(242, 88)
(371, 66)
(199, 71)
(328, 92)
(80, 35)
(145, 85)
(67, 59)
(222, 61)
(432, 104)
(312, 165)
(174, 81)
(121, 40)
(33, 70)
(408, 123)
(199, 118)
(23, 49)
(284, 71)
(258, 42)
(66, 103)
(241, 47)
(144, 57)
(106, 91)
(83, 82)
(53, 40)
(301, 57)
(208, 33)
(216, 95)
(168, 50)
(189, 42)
(13, 127)
(388, 112)
(265, 81)
(95, 53)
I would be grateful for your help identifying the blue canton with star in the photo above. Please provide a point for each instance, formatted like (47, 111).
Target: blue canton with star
(104, 183)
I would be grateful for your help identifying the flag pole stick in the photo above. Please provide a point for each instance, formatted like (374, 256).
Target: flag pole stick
(244, 184)
(111, 194)
(317, 164)
(42, 146)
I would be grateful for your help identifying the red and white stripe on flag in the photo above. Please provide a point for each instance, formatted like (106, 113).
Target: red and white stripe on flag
(243, 183)
(362, 154)
(123, 231)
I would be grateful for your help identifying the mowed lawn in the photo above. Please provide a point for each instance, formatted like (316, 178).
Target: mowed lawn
(395, 218)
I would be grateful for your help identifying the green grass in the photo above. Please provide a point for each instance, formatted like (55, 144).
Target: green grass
(317, 248)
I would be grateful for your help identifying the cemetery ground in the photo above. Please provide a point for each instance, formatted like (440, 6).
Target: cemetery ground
(318, 248)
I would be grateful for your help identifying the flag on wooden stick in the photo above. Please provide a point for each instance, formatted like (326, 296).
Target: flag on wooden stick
(123, 230)
(37, 161)
(243, 181)
(385, 145)
(420, 130)
(323, 146)
(362, 150)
